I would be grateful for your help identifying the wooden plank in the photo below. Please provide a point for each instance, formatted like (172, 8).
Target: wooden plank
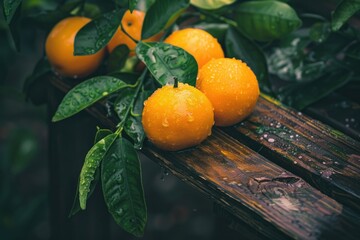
(321, 155)
(273, 201)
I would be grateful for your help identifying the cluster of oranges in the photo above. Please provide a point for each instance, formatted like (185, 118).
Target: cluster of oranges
(179, 116)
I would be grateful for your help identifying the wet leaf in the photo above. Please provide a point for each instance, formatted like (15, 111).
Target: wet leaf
(9, 8)
(211, 4)
(91, 163)
(132, 4)
(133, 126)
(167, 62)
(100, 134)
(123, 188)
(300, 96)
(161, 15)
(97, 33)
(342, 13)
(266, 20)
(85, 94)
(118, 58)
(240, 47)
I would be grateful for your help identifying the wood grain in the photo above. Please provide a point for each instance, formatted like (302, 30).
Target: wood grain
(324, 157)
(275, 202)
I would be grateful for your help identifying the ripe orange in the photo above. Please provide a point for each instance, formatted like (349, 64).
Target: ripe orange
(132, 23)
(232, 88)
(177, 118)
(199, 43)
(59, 48)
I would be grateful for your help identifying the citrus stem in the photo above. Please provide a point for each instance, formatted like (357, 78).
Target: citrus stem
(139, 83)
(127, 34)
(176, 82)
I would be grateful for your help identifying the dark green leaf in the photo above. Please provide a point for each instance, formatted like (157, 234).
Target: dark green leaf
(129, 78)
(217, 30)
(167, 62)
(118, 58)
(85, 94)
(211, 4)
(240, 47)
(122, 187)
(91, 163)
(301, 95)
(15, 28)
(10, 7)
(100, 134)
(319, 32)
(161, 15)
(97, 33)
(266, 20)
(91, 10)
(132, 4)
(133, 126)
(48, 19)
(343, 12)
(42, 67)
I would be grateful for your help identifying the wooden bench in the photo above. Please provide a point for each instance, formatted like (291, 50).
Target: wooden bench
(280, 172)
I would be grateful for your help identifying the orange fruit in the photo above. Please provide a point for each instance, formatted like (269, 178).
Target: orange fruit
(59, 48)
(232, 88)
(132, 23)
(199, 43)
(177, 118)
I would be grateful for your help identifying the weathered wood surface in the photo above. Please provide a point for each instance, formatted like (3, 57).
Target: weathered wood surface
(273, 201)
(324, 157)
(270, 199)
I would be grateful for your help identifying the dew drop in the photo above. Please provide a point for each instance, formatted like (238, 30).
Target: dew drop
(165, 122)
(271, 140)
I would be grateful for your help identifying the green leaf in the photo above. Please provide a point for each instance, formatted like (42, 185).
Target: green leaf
(85, 94)
(97, 33)
(342, 13)
(300, 96)
(133, 126)
(9, 8)
(266, 20)
(240, 47)
(132, 4)
(92, 162)
(48, 19)
(161, 15)
(211, 4)
(319, 32)
(100, 134)
(167, 62)
(123, 188)
(118, 58)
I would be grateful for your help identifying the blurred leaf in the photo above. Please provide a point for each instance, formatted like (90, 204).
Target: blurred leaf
(41, 68)
(300, 96)
(85, 94)
(91, 164)
(240, 47)
(161, 15)
(100, 134)
(319, 32)
(167, 62)
(96, 34)
(22, 148)
(129, 78)
(91, 10)
(211, 4)
(345, 10)
(48, 19)
(266, 20)
(217, 30)
(133, 126)
(123, 188)
(118, 58)
(132, 4)
(9, 8)
(15, 26)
